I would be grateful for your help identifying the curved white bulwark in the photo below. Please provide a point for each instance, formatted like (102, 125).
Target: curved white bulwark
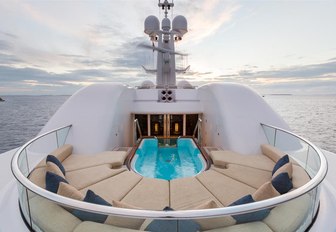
(101, 115)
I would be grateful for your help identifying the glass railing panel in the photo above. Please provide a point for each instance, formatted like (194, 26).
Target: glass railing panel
(288, 143)
(315, 196)
(298, 214)
(44, 144)
(23, 163)
(294, 215)
(305, 154)
(313, 162)
(270, 134)
(291, 145)
(27, 158)
(40, 148)
(298, 149)
(61, 136)
(23, 199)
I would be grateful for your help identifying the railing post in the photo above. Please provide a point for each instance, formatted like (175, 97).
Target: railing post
(136, 127)
(57, 139)
(307, 157)
(199, 131)
(195, 129)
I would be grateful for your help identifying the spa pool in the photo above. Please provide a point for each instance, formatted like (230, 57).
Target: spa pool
(168, 162)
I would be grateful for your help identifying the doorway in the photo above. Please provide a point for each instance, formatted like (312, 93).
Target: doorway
(166, 125)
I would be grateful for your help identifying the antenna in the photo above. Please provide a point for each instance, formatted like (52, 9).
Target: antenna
(172, 11)
(166, 6)
(165, 35)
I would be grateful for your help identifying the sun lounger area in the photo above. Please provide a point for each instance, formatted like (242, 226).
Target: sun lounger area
(231, 177)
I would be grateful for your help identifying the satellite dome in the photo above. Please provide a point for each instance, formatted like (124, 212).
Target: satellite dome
(152, 24)
(166, 24)
(180, 24)
(183, 84)
(147, 84)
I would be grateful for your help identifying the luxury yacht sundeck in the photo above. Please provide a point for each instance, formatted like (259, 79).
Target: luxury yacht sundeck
(167, 157)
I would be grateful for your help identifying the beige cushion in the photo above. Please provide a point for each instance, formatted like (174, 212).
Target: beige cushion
(149, 194)
(63, 152)
(246, 227)
(37, 176)
(124, 205)
(88, 226)
(290, 215)
(300, 176)
(210, 204)
(224, 188)
(222, 158)
(115, 187)
(218, 157)
(69, 191)
(52, 217)
(285, 168)
(187, 193)
(114, 158)
(60, 153)
(247, 175)
(132, 223)
(272, 152)
(51, 167)
(83, 178)
(266, 191)
(212, 223)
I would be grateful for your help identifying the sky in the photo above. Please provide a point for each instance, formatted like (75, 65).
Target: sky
(57, 47)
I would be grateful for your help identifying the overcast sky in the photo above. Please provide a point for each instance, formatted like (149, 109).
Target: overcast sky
(57, 47)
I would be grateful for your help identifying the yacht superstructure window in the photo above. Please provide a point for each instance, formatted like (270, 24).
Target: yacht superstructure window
(166, 125)
(191, 121)
(176, 125)
(157, 125)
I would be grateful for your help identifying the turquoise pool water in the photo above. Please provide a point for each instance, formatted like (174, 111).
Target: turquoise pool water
(168, 163)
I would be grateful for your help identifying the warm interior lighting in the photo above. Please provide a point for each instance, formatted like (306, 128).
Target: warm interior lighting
(156, 127)
(176, 127)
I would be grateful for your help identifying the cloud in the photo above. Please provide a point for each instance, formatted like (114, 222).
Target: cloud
(121, 64)
(130, 55)
(4, 45)
(6, 59)
(304, 71)
(311, 78)
(207, 18)
(9, 35)
(38, 81)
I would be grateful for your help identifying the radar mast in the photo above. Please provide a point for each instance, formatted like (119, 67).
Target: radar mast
(165, 37)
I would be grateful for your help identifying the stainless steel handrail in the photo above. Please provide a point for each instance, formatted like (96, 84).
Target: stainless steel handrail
(136, 121)
(198, 129)
(171, 215)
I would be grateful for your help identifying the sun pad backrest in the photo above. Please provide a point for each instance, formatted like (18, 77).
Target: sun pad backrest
(271, 152)
(60, 153)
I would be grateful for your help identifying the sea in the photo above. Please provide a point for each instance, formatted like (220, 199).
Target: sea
(312, 117)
